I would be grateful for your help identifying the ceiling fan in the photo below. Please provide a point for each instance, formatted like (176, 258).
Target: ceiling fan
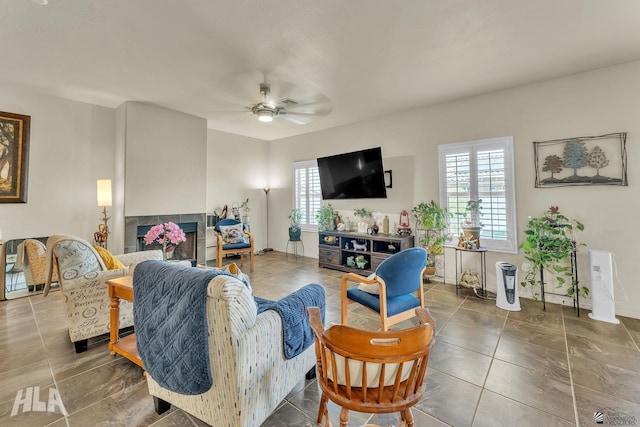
(300, 112)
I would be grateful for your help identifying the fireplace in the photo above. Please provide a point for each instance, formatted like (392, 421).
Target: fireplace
(194, 226)
(187, 250)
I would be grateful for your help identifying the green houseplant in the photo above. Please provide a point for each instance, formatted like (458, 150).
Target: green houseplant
(365, 216)
(549, 243)
(433, 220)
(294, 230)
(325, 216)
(472, 225)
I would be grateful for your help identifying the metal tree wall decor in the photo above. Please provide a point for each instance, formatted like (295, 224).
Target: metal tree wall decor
(589, 160)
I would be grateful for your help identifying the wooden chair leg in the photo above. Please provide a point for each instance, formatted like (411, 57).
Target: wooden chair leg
(322, 410)
(241, 259)
(218, 258)
(344, 417)
(407, 417)
(251, 258)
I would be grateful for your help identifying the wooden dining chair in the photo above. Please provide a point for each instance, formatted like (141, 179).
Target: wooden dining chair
(371, 372)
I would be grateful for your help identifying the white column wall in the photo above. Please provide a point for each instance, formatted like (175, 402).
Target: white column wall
(166, 164)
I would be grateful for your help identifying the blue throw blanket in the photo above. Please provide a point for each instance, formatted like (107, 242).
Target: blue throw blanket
(170, 317)
(297, 333)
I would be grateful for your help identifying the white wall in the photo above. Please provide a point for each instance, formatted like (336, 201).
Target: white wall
(166, 165)
(237, 169)
(71, 146)
(594, 103)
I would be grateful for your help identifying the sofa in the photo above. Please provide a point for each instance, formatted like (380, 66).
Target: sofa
(249, 372)
(82, 280)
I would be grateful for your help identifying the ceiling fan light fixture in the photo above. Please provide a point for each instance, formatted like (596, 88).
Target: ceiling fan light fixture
(265, 115)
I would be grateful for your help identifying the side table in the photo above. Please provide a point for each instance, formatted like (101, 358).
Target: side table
(483, 267)
(121, 288)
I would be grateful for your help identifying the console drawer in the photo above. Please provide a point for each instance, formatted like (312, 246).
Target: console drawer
(376, 260)
(329, 256)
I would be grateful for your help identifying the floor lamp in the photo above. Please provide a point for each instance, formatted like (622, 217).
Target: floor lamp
(104, 199)
(266, 193)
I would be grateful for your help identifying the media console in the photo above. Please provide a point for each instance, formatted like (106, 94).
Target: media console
(336, 247)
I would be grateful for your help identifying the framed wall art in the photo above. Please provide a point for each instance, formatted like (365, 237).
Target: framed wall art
(14, 157)
(589, 160)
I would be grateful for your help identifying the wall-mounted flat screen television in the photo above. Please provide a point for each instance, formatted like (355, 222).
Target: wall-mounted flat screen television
(355, 175)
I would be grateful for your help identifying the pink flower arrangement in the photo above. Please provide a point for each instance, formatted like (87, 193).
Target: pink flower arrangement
(168, 234)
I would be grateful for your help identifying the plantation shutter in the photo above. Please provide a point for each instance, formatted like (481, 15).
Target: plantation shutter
(481, 170)
(307, 196)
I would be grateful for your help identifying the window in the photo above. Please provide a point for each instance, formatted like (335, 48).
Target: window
(306, 192)
(481, 170)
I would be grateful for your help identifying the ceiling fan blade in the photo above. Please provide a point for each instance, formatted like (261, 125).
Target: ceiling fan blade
(315, 108)
(295, 118)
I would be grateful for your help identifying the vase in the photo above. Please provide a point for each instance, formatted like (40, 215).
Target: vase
(375, 228)
(167, 251)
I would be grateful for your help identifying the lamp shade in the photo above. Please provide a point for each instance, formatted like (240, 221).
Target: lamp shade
(104, 192)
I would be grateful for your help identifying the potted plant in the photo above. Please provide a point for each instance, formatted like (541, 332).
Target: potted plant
(365, 216)
(325, 216)
(472, 225)
(549, 243)
(294, 230)
(245, 210)
(433, 221)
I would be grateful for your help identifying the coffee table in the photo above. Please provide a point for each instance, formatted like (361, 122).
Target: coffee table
(121, 288)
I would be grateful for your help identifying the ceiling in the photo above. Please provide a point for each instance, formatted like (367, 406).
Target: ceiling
(370, 58)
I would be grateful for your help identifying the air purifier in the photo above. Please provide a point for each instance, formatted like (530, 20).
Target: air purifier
(507, 293)
(602, 303)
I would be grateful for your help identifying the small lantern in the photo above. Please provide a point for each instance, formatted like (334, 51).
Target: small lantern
(403, 229)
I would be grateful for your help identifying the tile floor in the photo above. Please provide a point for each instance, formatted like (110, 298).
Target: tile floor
(489, 367)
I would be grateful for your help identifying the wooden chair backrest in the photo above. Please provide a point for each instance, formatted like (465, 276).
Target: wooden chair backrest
(371, 371)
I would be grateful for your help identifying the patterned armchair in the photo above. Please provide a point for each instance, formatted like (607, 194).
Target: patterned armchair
(82, 279)
(249, 372)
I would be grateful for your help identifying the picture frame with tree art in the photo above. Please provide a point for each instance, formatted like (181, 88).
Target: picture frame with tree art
(589, 160)
(14, 157)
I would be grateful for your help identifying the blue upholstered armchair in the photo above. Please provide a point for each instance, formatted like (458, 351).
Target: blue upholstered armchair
(233, 238)
(394, 291)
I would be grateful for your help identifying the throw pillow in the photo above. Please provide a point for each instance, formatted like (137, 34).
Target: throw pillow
(110, 261)
(373, 288)
(232, 233)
